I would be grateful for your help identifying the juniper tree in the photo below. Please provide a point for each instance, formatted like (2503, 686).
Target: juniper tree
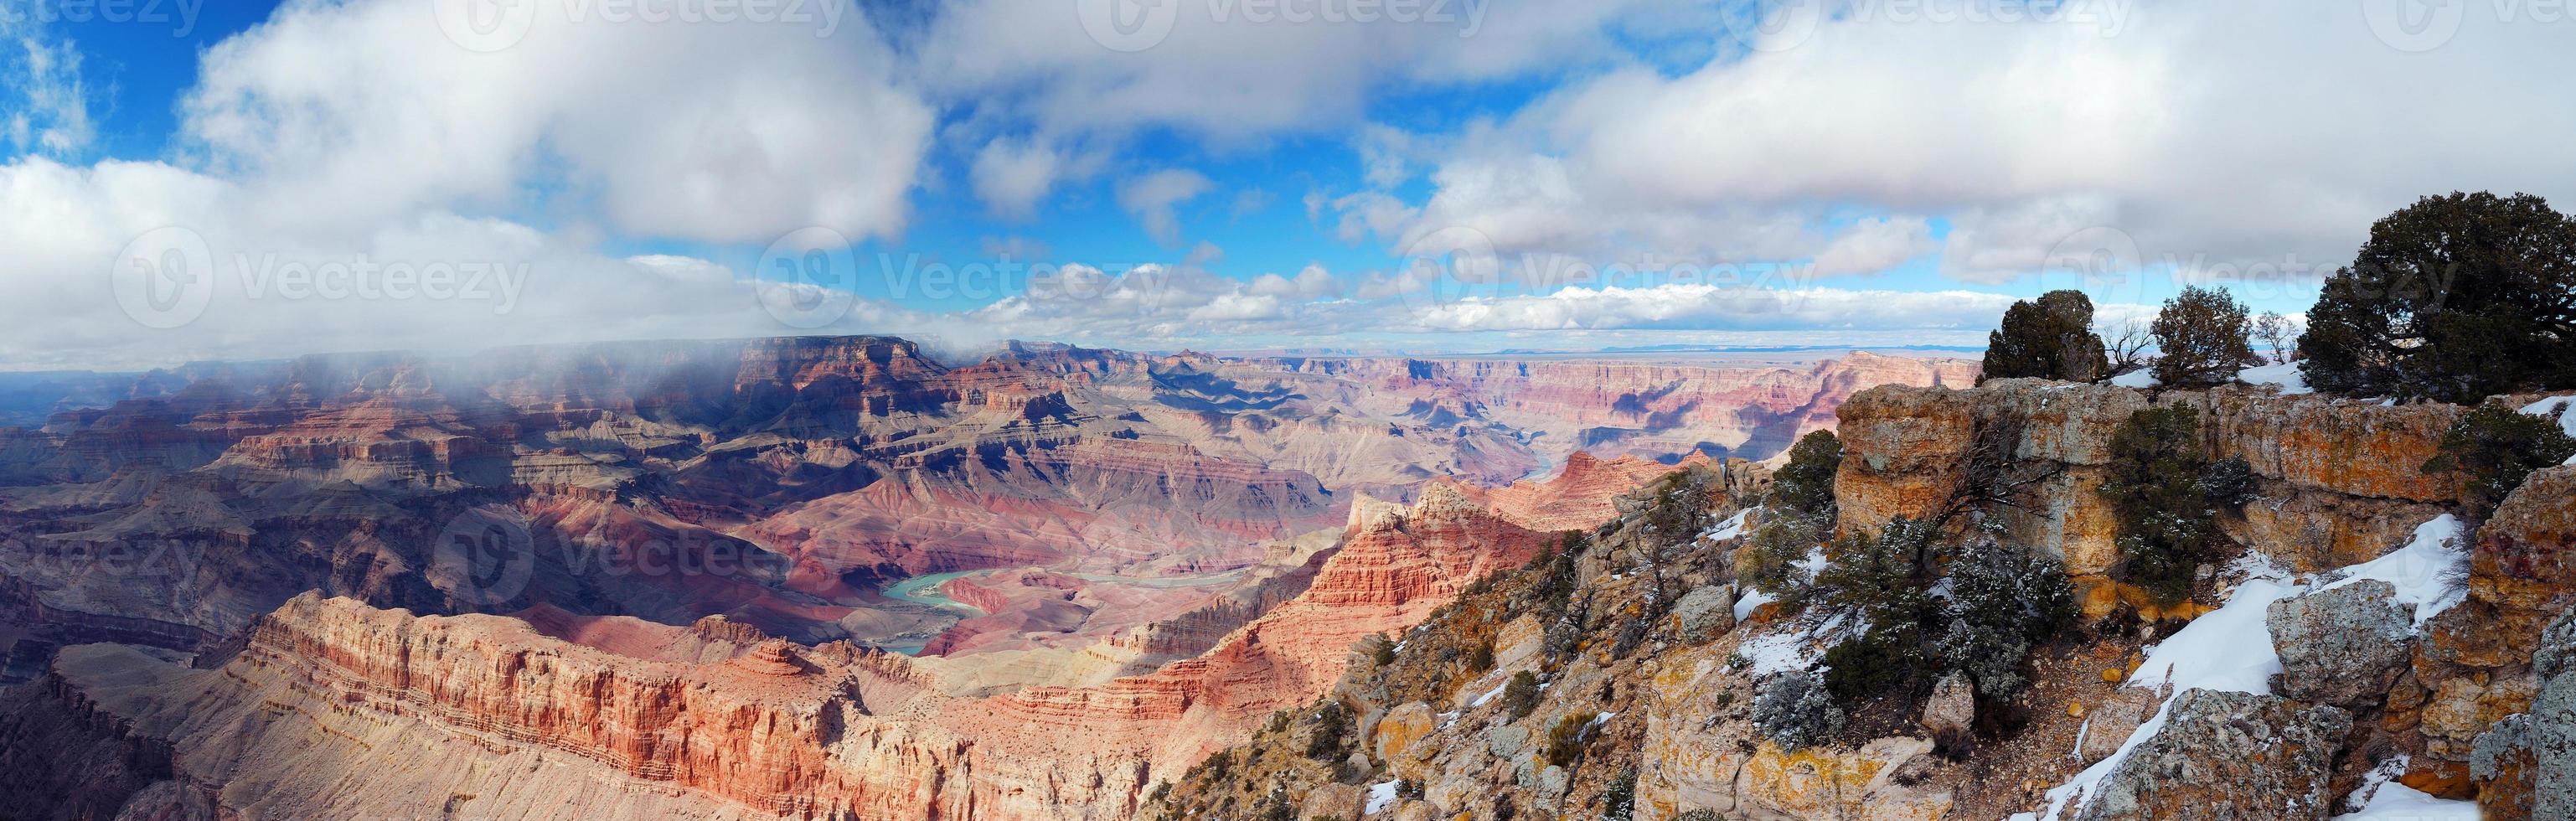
(2049, 338)
(2453, 298)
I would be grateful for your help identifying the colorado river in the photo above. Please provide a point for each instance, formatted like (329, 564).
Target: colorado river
(925, 590)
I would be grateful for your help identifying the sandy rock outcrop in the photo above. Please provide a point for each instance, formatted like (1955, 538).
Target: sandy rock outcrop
(2339, 480)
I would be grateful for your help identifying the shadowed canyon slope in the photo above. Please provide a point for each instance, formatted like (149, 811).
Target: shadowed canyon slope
(703, 563)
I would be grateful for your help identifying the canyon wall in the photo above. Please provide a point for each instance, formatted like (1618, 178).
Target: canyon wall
(2340, 483)
(2339, 480)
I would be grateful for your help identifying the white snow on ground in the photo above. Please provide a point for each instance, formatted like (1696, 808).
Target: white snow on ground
(1779, 653)
(1815, 562)
(1490, 694)
(1732, 527)
(2563, 407)
(2398, 802)
(2418, 570)
(2285, 375)
(1380, 796)
(2140, 378)
(1747, 598)
(2230, 649)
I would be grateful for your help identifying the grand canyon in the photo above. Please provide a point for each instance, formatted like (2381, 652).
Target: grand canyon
(817, 577)
(1287, 410)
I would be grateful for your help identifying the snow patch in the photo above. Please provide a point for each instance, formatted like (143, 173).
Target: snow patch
(1732, 527)
(2285, 375)
(2423, 571)
(2141, 378)
(2398, 802)
(1747, 598)
(1380, 796)
(1814, 563)
(1490, 694)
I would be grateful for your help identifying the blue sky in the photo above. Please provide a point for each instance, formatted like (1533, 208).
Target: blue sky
(1231, 174)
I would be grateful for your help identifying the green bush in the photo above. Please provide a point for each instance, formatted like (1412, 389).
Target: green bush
(1482, 659)
(2051, 338)
(1619, 800)
(1769, 561)
(2203, 337)
(2155, 486)
(1795, 711)
(1565, 740)
(2455, 298)
(2498, 447)
(1882, 585)
(2228, 482)
(1520, 696)
(1383, 652)
(2003, 600)
(1329, 738)
(1806, 482)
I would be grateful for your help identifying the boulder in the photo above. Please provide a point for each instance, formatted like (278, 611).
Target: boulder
(1820, 783)
(2228, 757)
(1333, 801)
(2109, 725)
(1705, 613)
(1551, 784)
(2344, 646)
(1506, 741)
(1397, 732)
(1952, 712)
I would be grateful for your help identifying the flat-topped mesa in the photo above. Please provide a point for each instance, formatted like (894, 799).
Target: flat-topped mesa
(802, 360)
(2339, 480)
(1586, 491)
